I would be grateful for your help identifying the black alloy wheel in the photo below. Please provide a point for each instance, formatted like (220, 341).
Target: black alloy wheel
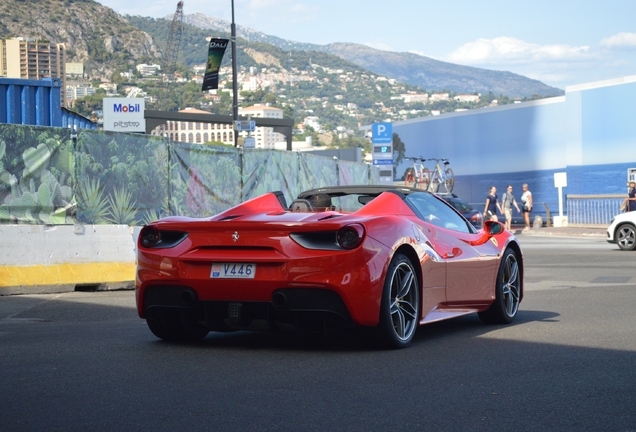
(399, 310)
(507, 292)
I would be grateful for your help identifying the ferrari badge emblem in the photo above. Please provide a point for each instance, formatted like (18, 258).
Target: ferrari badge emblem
(492, 239)
(235, 236)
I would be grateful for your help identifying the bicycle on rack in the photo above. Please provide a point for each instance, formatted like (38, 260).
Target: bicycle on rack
(440, 175)
(419, 175)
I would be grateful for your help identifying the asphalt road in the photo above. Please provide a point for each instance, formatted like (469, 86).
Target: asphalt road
(85, 362)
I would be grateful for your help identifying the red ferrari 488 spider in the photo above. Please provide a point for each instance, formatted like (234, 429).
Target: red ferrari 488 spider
(385, 257)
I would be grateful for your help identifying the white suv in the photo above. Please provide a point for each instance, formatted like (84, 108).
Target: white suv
(622, 231)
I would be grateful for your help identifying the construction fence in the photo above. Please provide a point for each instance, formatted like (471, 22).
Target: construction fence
(49, 176)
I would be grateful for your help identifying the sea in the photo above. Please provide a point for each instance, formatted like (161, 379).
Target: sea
(581, 180)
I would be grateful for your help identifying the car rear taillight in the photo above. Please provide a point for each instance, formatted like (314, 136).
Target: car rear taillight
(476, 217)
(351, 236)
(149, 236)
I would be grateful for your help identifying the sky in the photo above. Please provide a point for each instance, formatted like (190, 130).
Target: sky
(558, 42)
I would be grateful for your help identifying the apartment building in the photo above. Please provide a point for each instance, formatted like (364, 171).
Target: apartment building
(467, 98)
(147, 70)
(195, 132)
(200, 133)
(33, 59)
(265, 137)
(78, 92)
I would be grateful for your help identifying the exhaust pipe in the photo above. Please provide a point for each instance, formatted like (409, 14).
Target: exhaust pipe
(279, 300)
(188, 297)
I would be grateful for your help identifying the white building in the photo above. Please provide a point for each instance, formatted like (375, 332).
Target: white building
(313, 122)
(110, 88)
(466, 98)
(148, 70)
(439, 97)
(412, 98)
(265, 137)
(78, 92)
(75, 69)
(195, 132)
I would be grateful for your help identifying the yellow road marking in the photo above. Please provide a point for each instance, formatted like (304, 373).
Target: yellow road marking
(66, 274)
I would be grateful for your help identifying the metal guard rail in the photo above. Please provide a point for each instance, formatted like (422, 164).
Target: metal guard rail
(593, 209)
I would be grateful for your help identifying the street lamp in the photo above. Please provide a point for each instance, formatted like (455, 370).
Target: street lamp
(234, 78)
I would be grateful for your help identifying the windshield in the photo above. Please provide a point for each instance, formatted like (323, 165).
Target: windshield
(436, 212)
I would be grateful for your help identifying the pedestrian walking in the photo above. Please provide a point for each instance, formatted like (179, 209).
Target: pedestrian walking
(507, 201)
(492, 204)
(631, 198)
(526, 204)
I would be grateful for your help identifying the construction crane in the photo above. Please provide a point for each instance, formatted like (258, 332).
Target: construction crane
(174, 41)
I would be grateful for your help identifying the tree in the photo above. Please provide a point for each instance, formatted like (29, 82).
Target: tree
(398, 152)
(86, 105)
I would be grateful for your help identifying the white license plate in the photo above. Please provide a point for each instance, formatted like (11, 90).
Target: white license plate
(233, 271)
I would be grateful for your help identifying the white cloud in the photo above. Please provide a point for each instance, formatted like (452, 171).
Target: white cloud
(623, 39)
(513, 50)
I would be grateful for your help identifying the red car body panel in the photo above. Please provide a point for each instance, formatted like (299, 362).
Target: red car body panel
(457, 270)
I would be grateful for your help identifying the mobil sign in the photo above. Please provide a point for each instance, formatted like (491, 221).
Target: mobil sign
(124, 115)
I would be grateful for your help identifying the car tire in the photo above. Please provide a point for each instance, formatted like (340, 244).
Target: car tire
(176, 326)
(400, 305)
(626, 237)
(507, 292)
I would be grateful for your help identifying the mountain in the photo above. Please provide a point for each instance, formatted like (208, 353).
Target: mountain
(434, 74)
(255, 53)
(107, 42)
(93, 34)
(410, 68)
(327, 82)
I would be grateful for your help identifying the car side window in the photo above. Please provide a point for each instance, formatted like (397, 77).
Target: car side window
(460, 205)
(437, 212)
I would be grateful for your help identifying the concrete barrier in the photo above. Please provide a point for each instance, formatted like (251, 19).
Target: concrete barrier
(37, 259)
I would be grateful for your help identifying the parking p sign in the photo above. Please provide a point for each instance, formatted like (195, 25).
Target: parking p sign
(382, 133)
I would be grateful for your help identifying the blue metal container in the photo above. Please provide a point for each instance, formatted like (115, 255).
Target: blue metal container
(37, 102)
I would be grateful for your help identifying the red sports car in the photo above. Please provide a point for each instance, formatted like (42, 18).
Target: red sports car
(385, 257)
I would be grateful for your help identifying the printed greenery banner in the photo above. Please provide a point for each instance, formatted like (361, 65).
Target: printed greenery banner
(121, 178)
(204, 180)
(374, 177)
(267, 171)
(47, 177)
(36, 182)
(352, 173)
(316, 171)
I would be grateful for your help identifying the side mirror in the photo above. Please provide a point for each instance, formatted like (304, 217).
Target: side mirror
(493, 228)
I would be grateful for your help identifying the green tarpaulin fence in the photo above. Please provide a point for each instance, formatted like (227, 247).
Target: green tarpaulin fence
(48, 176)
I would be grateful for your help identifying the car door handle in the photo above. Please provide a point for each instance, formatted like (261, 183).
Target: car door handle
(455, 252)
